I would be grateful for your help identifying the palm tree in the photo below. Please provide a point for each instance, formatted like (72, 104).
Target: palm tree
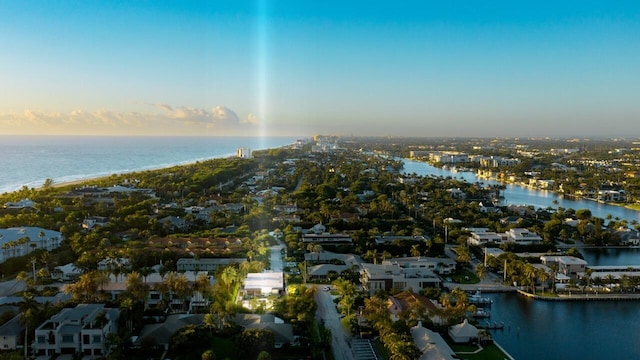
(481, 271)
(415, 250)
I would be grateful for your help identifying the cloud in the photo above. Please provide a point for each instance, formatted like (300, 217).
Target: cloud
(217, 116)
(181, 119)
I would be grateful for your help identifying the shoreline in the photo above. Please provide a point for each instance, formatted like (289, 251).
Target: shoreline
(581, 297)
(75, 180)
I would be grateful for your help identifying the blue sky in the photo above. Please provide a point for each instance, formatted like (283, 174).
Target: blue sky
(411, 68)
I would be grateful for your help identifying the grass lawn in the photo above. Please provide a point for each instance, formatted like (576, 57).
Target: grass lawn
(465, 276)
(489, 352)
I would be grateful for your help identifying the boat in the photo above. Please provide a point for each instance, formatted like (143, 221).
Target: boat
(481, 313)
(477, 299)
(492, 325)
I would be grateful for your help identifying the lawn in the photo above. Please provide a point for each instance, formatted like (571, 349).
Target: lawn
(465, 276)
(489, 352)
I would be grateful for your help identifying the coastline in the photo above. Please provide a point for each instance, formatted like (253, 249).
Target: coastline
(70, 161)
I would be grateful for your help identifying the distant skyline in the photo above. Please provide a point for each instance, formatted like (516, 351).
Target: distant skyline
(296, 68)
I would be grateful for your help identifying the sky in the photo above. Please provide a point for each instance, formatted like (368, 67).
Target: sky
(297, 68)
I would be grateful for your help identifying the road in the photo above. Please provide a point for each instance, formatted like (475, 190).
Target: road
(10, 287)
(327, 313)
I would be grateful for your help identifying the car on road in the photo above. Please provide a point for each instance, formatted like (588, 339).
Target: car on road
(326, 288)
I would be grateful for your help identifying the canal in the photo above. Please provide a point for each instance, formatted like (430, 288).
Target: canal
(537, 329)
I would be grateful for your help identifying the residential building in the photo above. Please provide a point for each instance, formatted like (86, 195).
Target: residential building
(431, 344)
(482, 237)
(206, 264)
(282, 333)
(387, 276)
(11, 334)
(522, 237)
(326, 238)
(83, 329)
(569, 266)
(19, 241)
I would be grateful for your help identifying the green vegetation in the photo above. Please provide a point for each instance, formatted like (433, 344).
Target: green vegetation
(234, 208)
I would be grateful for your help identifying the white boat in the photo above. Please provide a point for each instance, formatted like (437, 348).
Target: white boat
(481, 313)
(477, 299)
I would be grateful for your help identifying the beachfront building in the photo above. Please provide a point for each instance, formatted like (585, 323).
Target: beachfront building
(19, 241)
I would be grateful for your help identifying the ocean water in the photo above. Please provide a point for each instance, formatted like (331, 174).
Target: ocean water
(30, 160)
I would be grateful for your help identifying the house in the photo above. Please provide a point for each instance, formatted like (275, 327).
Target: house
(463, 333)
(206, 264)
(387, 276)
(83, 329)
(160, 333)
(441, 266)
(567, 265)
(259, 288)
(11, 334)
(326, 238)
(487, 207)
(282, 333)
(431, 344)
(66, 272)
(174, 223)
(522, 237)
(22, 204)
(482, 237)
(93, 221)
(408, 300)
(264, 284)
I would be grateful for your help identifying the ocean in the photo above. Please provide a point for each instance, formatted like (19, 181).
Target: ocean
(30, 160)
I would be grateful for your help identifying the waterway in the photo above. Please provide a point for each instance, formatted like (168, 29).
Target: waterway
(519, 195)
(562, 329)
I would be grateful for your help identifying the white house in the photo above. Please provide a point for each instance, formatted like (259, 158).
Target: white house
(463, 333)
(19, 241)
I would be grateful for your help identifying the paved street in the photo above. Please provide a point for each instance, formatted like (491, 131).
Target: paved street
(328, 314)
(10, 287)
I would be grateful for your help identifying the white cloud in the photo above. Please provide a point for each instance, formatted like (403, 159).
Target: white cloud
(182, 119)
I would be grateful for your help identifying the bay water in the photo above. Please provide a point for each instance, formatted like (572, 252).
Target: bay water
(561, 330)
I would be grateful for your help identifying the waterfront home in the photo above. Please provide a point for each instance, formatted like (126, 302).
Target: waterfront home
(83, 329)
(431, 344)
(569, 266)
(463, 333)
(408, 301)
